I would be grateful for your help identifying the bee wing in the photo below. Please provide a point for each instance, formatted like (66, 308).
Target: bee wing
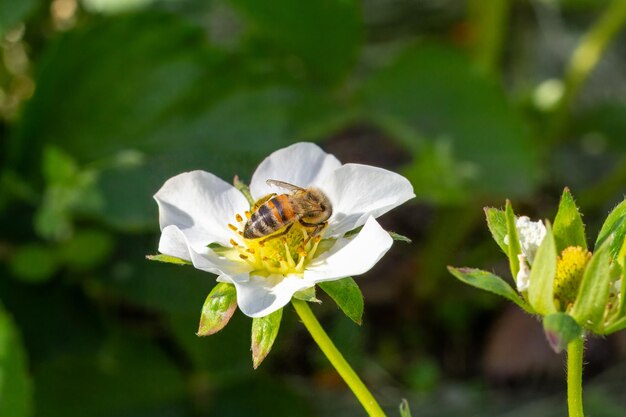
(285, 185)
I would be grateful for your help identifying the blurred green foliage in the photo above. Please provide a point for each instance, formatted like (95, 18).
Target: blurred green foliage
(102, 100)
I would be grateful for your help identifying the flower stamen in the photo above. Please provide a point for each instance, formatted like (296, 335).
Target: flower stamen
(285, 253)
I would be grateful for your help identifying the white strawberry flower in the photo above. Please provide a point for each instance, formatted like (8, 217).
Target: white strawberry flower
(202, 217)
(530, 235)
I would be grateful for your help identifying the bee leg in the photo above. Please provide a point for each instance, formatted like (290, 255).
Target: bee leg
(284, 232)
(317, 228)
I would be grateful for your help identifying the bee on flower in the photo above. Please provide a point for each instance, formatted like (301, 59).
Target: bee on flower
(322, 229)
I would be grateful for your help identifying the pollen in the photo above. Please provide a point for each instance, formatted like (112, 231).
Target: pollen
(286, 252)
(570, 267)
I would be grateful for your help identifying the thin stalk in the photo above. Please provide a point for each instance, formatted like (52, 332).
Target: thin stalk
(490, 21)
(335, 357)
(575, 378)
(586, 57)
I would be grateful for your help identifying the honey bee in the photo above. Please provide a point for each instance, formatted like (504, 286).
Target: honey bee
(309, 206)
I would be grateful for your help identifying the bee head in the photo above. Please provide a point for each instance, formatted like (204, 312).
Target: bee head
(319, 208)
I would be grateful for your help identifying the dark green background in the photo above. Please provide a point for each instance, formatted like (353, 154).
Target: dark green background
(99, 105)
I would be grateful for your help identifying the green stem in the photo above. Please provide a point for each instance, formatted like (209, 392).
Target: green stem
(336, 359)
(490, 22)
(586, 56)
(575, 378)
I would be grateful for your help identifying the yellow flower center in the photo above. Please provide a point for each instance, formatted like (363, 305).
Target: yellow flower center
(570, 267)
(283, 253)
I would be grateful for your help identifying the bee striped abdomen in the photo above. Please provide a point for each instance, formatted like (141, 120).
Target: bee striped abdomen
(269, 218)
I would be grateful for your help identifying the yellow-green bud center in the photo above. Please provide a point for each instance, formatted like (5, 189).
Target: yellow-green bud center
(570, 267)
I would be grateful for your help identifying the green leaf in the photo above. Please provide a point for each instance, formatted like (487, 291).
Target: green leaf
(568, 225)
(405, 410)
(541, 289)
(496, 221)
(615, 224)
(15, 384)
(560, 329)
(323, 36)
(347, 294)
(34, 263)
(435, 91)
(513, 248)
(489, 282)
(264, 332)
(218, 308)
(168, 259)
(593, 294)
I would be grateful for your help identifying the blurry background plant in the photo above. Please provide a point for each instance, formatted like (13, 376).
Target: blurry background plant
(102, 100)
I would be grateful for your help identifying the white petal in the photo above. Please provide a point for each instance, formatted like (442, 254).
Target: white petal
(259, 296)
(201, 205)
(522, 280)
(174, 242)
(530, 236)
(350, 257)
(359, 191)
(302, 164)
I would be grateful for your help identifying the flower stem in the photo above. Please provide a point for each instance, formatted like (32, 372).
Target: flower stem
(336, 359)
(575, 378)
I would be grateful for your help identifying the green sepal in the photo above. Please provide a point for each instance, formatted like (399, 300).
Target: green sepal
(218, 308)
(560, 329)
(615, 224)
(568, 224)
(244, 189)
(496, 221)
(621, 264)
(347, 294)
(398, 237)
(264, 332)
(393, 235)
(490, 282)
(595, 287)
(541, 288)
(513, 247)
(168, 259)
(307, 295)
(405, 410)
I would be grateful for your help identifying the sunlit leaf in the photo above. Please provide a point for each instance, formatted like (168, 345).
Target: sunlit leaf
(489, 282)
(347, 294)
